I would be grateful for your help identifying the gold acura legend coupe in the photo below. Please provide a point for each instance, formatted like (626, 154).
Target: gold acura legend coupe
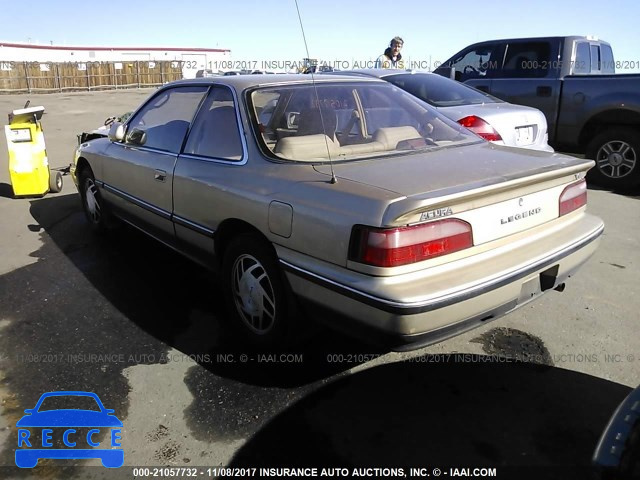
(345, 194)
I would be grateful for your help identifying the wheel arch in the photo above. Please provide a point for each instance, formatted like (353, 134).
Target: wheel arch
(231, 228)
(81, 164)
(620, 117)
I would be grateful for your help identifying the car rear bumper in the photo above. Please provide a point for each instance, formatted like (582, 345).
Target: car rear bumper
(409, 311)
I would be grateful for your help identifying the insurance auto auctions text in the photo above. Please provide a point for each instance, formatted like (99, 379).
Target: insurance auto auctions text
(356, 472)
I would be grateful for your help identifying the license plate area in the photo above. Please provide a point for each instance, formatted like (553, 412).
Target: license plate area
(525, 135)
(538, 284)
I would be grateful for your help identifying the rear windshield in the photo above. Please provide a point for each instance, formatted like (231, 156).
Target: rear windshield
(440, 91)
(348, 121)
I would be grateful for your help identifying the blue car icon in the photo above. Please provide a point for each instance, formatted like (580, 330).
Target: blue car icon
(67, 426)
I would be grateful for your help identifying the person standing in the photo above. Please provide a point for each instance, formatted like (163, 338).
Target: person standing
(392, 58)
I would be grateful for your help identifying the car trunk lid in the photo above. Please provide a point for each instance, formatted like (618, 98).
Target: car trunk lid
(498, 190)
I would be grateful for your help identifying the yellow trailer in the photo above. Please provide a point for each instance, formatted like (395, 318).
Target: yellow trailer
(29, 170)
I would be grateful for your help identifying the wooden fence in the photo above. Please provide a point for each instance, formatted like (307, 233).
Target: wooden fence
(45, 77)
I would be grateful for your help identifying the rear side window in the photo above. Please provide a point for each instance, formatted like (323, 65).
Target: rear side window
(582, 63)
(601, 59)
(165, 118)
(608, 64)
(527, 59)
(215, 132)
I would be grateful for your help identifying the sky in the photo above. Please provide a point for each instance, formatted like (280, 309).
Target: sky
(336, 31)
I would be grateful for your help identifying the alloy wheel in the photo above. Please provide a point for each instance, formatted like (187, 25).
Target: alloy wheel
(616, 159)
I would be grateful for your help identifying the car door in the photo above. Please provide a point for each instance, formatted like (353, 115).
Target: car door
(529, 77)
(475, 65)
(207, 173)
(139, 171)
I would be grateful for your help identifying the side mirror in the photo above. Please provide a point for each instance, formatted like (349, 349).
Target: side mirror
(137, 137)
(116, 132)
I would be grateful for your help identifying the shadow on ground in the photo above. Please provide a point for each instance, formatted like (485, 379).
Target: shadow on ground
(429, 413)
(6, 190)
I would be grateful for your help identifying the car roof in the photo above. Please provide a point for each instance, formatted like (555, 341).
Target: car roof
(371, 72)
(381, 72)
(537, 39)
(252, 80)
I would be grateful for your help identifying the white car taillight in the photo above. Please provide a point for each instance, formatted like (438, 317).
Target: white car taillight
(573, 197)
(392, 247)
(480, 127)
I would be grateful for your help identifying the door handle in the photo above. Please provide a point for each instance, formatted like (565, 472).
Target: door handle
(543, 91)
(160, 175)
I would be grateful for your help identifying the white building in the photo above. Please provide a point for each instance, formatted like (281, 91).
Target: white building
(194, 58)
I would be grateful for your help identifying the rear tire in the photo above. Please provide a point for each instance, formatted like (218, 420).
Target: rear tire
(256, 293)
(616, 152)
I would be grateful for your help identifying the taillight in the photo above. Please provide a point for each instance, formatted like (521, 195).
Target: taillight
(480, 127)
(573, 197)
(392, 247)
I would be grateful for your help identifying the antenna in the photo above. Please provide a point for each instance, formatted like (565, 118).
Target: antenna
(315, 90)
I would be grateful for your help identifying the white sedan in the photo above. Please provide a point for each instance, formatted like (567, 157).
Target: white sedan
(487, 116)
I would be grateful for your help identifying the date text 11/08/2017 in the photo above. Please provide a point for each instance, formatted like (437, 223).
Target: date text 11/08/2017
(305, 472)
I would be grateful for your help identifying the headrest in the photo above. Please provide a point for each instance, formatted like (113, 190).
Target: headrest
(314, 120)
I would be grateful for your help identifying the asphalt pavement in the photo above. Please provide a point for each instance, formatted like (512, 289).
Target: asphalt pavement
(141, 326)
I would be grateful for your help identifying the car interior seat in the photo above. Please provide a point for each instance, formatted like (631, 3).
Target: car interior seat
(313, 121)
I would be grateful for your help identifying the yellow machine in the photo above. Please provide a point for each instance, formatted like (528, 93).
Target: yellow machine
(28, 163)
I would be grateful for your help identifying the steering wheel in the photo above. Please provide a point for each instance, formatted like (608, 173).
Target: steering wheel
(470, 68)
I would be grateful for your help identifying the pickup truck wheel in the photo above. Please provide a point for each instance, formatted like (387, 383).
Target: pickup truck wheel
(92, 203)
(256, 294)
(617, 155)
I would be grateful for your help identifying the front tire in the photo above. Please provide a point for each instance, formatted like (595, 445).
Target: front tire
(92, 203)
(616, 152)
(255, 291)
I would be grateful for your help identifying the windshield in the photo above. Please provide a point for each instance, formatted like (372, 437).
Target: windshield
(440, 91)
(62, 402)
(348, 121)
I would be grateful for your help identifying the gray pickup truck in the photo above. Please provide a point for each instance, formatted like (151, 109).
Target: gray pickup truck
(590, 110)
